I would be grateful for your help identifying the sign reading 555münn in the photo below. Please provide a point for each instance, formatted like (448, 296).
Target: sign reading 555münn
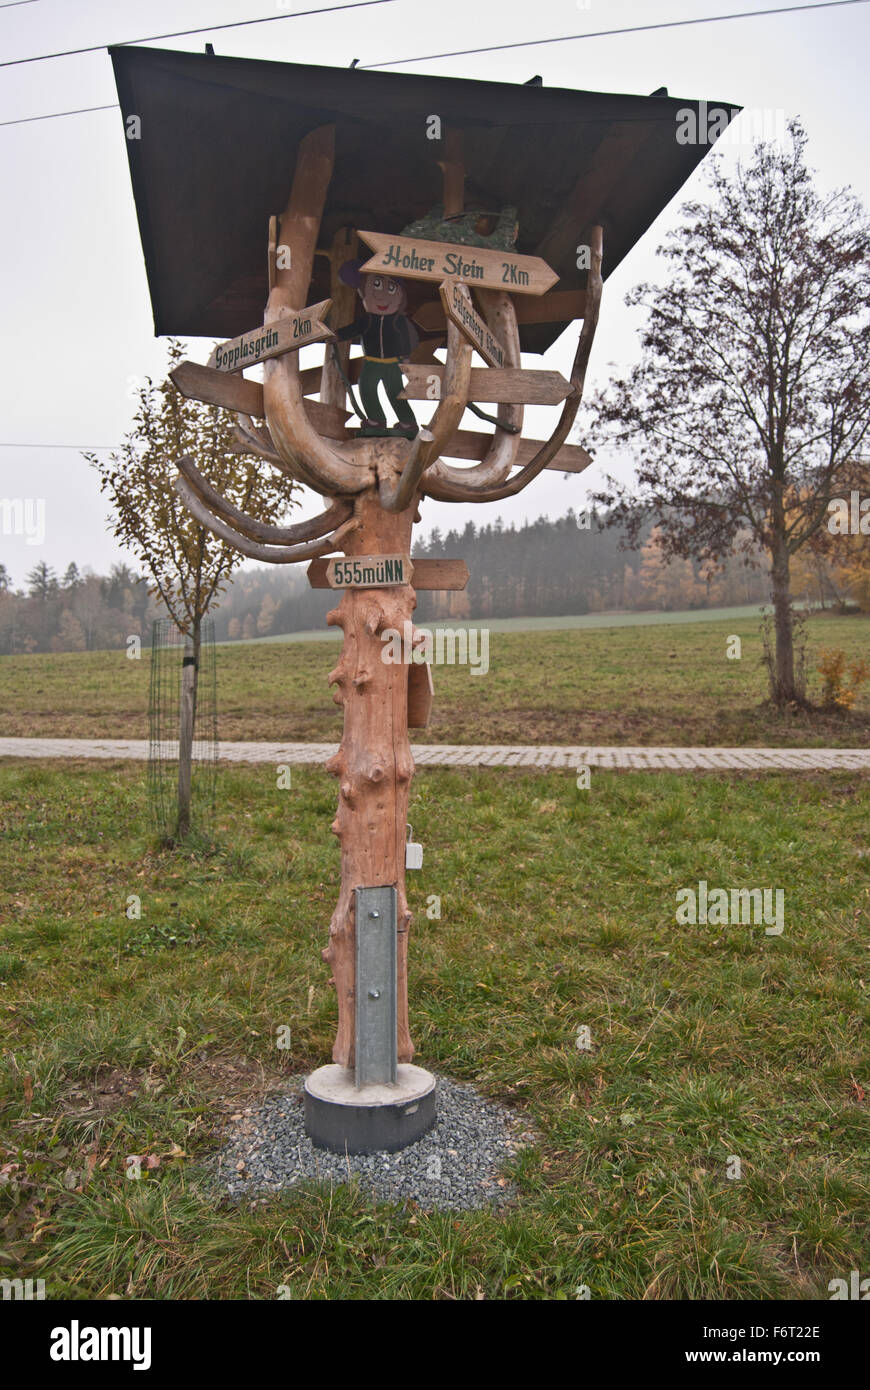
(369, 571)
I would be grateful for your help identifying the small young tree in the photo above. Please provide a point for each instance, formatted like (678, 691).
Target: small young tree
(188, 565)
(753, 388)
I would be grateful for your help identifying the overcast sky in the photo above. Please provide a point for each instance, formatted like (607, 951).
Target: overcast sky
(77, 325)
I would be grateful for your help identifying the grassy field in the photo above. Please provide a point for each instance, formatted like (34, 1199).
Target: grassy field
(558, 911)
(566, 622)
(656, 684)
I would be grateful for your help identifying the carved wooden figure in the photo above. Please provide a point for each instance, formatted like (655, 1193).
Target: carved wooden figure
(373, 487)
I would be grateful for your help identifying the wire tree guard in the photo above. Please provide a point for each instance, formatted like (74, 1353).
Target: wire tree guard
(469, 290)
(169, 646)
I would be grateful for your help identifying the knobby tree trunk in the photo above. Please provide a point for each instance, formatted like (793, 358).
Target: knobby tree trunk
(186, 725)
(373, 764)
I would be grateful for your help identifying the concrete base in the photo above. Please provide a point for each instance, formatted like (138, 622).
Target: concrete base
(375, 1118)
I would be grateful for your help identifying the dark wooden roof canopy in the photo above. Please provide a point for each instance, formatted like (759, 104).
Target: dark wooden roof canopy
(218, 147)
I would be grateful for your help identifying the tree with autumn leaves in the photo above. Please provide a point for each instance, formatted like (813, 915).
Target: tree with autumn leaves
(753, 387)
(188, 565)
(836, 562)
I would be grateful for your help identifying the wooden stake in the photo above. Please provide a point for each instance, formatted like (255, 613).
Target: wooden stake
(452, 168)
(332, 388)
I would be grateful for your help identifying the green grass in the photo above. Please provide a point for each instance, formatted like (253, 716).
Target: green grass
(659, 684)
(558, 911)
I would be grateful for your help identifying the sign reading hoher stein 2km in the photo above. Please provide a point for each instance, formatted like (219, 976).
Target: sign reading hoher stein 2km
(357, 146)
(433, 260)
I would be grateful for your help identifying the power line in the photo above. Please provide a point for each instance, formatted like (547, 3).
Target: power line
(203, 29)
(11, 5)
(100, 448)
(53, 115)
(607, 33)
(457, 53)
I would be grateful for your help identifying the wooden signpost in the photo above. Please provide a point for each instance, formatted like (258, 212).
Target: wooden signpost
(289, 334)
(478, 333)
(375, 485)
(411, 259)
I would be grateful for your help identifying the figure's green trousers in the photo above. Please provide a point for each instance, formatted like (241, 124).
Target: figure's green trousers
(374, 371)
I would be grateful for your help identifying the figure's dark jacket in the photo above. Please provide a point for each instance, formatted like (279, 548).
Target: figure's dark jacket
(382, 335)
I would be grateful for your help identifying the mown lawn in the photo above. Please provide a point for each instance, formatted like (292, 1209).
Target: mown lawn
(557, 912)
(668, 684)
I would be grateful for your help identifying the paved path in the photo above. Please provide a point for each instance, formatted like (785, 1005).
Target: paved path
(485, 755)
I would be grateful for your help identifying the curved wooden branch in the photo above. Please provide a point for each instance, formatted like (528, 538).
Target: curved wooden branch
(303, 450)
(396, 494)
(454, 390)
(273, 555)
(256, 530)
(449, 484)
(257, 441)
(569, 410)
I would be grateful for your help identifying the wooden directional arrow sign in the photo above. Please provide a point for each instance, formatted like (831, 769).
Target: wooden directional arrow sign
(410, 259)
(504, 385)
(457, 307)
(287, 334)
(200, 383)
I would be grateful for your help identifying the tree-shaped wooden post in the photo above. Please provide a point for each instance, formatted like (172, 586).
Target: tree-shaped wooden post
(372, 1097)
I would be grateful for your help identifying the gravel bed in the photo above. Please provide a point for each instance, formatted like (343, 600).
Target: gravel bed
(458, 1164)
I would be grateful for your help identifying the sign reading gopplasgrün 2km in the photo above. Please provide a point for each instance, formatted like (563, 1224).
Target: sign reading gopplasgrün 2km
(442, 260)
(369, 571)
(286, 334)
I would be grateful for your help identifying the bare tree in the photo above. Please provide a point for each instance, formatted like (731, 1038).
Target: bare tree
(752, 389)
(188, 564)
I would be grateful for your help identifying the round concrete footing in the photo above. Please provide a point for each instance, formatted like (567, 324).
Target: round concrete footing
(374, 1118)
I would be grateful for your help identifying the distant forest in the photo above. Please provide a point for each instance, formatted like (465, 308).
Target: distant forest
(543, 568)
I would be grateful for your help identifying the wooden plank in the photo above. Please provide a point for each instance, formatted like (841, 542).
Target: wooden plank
(473, 444)
(559, 306)
(368, 571)
(509, 385)
(464, 444)
(287, 334)
(478, 333)
(412, 259)
(200, 383)
(420, 694)
(427, 574)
